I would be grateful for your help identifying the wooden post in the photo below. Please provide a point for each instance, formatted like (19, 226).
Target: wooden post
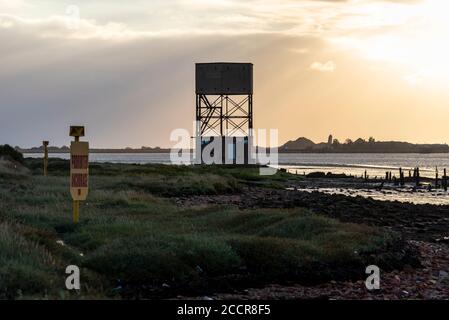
(76, 203)
(436, 177)
(395, 181)
(401, 177)
(445, 180)
(45, 144)
(417, 177)
(76, 211)
(366, 176)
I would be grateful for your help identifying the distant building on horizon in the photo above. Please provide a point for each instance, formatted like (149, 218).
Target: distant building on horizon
(330, 140)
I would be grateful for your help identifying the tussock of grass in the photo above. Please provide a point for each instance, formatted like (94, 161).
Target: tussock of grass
(25, 267)
(207, 184)
(159, 258)
(12, 170)
(9, 153)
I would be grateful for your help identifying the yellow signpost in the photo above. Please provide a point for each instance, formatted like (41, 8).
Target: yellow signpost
(45, 143)
(79, 169)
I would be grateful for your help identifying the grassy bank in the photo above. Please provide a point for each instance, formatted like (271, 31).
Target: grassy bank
(134, 241)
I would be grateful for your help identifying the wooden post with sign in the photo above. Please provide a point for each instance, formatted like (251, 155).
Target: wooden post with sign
(45, 144)
(79, 169)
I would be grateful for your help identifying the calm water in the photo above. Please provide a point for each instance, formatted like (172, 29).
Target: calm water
(355, 164)
(374, 164)
(406, 194)
(140, 158)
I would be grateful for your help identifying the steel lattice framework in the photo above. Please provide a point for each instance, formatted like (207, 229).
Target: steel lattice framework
(224, 115)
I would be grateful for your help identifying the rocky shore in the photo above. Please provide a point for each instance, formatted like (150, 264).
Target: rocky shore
(423, 222)
(425, 227)
(429, 282)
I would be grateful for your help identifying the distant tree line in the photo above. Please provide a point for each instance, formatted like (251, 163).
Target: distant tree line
(362, 146)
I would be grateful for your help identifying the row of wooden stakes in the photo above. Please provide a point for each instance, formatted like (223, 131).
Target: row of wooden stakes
(414, 176)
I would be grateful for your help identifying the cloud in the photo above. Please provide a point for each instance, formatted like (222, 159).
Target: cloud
(67, 28)
(115, 20)
(126, 93)
(324, 67)
(126, 72)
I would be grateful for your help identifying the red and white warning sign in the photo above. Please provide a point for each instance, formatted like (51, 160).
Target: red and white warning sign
(79, 170)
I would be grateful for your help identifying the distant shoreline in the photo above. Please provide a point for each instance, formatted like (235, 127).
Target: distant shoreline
(300, 145)
(96, 151)
(121, 151)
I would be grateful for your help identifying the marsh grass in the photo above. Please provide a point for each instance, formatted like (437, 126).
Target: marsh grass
(25, 267)
(132, 234)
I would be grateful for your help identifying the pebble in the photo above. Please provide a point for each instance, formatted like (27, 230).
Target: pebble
(443, 276)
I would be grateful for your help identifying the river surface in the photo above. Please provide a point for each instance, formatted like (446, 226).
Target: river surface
(350, 163)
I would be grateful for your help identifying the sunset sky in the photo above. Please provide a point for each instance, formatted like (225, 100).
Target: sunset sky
(125, 69)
